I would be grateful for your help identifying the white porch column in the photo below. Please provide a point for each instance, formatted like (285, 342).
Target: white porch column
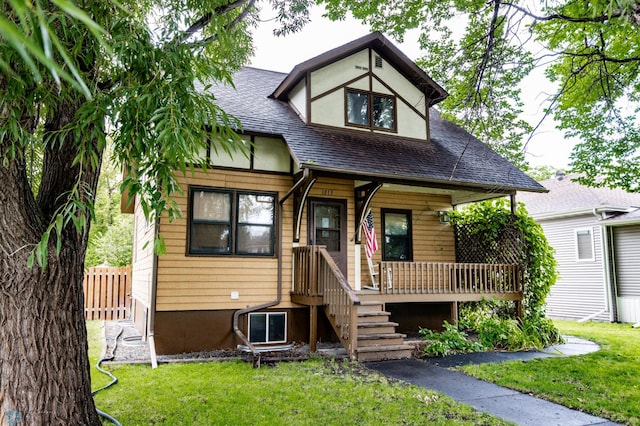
(357, 265)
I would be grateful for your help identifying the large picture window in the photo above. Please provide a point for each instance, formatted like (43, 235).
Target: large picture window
(397, 242)
(373, 110)
(231, 222)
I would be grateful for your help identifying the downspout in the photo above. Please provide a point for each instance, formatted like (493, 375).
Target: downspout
(236, 314)
(607, 276)
(152, 308)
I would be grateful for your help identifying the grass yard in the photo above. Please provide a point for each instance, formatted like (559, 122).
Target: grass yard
(298, 393)
(605, 383)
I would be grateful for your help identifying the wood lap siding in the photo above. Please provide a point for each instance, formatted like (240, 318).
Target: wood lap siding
(206, 282)
(142, 262)
(432, 241)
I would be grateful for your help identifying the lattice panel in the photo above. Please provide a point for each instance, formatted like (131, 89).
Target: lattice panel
(472, 245)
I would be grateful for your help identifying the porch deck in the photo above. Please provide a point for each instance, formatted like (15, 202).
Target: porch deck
(359, 318)
(401, 282)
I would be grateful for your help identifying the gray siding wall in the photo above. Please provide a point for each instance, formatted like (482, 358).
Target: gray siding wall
(626, 243)
(580, 289)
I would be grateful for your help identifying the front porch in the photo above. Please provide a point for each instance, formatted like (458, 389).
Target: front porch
(318, 282)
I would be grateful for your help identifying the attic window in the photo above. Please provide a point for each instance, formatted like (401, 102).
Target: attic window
(378, 61)
(372, 110)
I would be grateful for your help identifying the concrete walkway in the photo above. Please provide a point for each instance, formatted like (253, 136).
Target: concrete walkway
(505, 403)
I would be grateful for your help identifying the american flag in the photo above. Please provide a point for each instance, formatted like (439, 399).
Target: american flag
(371, 243)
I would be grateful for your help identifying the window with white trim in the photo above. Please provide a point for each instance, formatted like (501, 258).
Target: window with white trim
(584, 244)
(268, 327)
(228, 222)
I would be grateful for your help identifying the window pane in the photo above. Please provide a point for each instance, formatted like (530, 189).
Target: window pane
(255, 239)
(210, 238)
(358, 108)
(277, 327)
(383, 112)
(585, 245)
(396, 248)
(396, 224)
(255, 209)
(214, 206)
(257, 328)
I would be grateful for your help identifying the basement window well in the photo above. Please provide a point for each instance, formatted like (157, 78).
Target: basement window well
(268, 327)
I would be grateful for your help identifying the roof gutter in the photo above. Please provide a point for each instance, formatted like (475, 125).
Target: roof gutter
(236, 314)
(436, 183)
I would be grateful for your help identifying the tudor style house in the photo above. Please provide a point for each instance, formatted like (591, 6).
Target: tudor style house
(271, 250)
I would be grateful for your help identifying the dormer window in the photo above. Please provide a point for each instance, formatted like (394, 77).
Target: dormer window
(371, 110)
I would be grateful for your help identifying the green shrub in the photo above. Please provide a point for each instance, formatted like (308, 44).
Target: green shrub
(449, 341)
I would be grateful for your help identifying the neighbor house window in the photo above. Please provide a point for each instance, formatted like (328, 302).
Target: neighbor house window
(584, 244)
(373, 110)
(268, 327)
(397, 242)
(231, 222)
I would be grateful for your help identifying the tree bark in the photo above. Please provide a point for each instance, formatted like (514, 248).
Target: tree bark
(44, 366)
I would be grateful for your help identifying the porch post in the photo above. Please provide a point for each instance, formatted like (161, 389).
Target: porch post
(313, 328)
(358, 267)
(454, 313)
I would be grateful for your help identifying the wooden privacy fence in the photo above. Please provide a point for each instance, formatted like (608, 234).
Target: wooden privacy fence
(106, 293)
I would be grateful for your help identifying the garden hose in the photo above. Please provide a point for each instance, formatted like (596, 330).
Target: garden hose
(114, 379)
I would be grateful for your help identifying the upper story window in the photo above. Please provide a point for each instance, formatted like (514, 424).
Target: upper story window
(373, 110)
(231, 222)
(397, 242)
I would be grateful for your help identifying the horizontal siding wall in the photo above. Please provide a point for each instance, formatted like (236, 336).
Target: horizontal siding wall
(626, 242)
(206, 282)
(432, 241)
(580, 289)
(142, 265)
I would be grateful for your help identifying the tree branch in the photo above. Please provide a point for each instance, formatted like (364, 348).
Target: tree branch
(206, 19)
(559, 16)
(227, 27)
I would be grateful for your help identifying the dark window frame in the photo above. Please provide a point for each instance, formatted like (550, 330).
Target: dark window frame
(234, 224)
(409, 236)
(370, 112)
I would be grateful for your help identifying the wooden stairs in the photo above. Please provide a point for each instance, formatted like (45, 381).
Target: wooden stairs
(377, 337)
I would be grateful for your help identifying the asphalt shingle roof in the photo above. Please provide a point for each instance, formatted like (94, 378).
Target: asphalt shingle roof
(451, 157)
(566, 196)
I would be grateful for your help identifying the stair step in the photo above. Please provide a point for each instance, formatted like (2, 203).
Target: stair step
(370, 306)
(380, 339)
(377, 327)
(384, 352)
(378, 316)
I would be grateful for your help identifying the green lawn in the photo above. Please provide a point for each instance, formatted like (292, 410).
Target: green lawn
(297, 393)
(605, 383)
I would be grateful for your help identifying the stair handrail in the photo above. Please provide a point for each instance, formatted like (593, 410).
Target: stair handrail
(341, 301)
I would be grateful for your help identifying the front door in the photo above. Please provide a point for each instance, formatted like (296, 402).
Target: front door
(328, 227)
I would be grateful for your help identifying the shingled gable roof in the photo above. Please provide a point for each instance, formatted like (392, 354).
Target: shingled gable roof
(383, 47)
(452, 159)
(567, 197)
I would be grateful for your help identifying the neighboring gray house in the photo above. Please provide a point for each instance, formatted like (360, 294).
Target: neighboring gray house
(596, 235)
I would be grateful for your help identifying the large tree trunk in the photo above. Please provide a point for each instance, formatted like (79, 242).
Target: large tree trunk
(44, 367)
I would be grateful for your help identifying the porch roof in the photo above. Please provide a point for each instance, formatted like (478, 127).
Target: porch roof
(452, 159)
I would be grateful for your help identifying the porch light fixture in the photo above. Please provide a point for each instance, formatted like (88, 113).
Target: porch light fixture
(444, 217)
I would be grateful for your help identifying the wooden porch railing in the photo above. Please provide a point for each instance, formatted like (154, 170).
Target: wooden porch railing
(316, 275)
(449, 278)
